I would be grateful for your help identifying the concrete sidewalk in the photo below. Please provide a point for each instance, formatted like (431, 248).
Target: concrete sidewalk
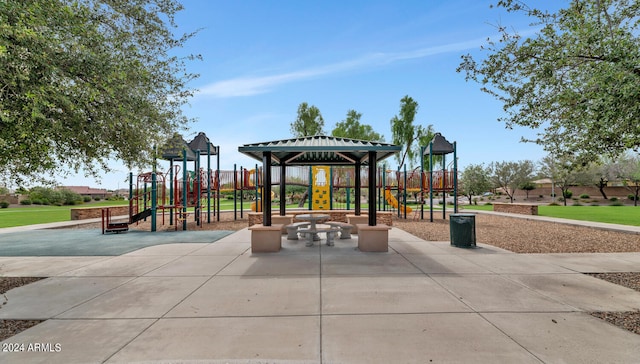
(421, 302)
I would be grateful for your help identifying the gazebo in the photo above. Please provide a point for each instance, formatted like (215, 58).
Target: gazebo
(318, 150)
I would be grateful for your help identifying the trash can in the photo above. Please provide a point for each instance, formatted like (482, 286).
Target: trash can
(462, 228)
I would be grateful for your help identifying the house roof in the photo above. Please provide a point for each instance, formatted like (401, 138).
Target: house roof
(85, 190)
(319, 150)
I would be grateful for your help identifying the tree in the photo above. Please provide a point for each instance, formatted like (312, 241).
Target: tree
(601, 172)
(351, 128)
(405, 133)
(564, 173)
(309, 121)
(87, 81)
(627, 169)
(577, 80)
(474, 180)
(527, 187)
(510, 175)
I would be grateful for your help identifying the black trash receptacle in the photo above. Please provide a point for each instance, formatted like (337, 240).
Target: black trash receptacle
(462, 228)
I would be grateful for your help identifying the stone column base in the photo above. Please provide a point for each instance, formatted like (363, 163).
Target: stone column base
(373, 238)
(266, 239)
(357, 219)
(282, 220)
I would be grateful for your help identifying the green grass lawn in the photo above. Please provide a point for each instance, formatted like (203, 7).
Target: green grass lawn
(41, 214)
(625, 215)
(29, 215)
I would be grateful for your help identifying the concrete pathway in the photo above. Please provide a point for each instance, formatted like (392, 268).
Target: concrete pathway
(421, 302)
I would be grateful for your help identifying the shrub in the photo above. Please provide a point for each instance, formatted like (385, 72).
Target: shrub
(553, 195)
(554, 204)
(567, 194)
(631, 197)
(37, 201)
(613, 199)
(25, 202)
(584, 196)
(541, 196)
(4, 204)
(576, 203)
(616, 203)
(594, 203)
(97, 198)
(86, 199)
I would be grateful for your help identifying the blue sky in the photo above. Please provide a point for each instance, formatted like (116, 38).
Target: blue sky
(261, 59)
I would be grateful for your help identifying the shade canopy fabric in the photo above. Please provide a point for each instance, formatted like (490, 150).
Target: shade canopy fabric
(319, 150)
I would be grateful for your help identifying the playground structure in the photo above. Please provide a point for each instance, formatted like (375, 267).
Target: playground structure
(158, 191)
(184, 193)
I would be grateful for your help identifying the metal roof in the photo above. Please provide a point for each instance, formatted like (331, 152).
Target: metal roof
(440, 146)
(319, 150)
(173, 149)
(200, 142)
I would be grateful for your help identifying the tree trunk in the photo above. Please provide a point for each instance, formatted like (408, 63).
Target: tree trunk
(601, 185)
(305, 195)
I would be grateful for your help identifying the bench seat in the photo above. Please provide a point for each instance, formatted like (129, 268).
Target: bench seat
(345, 228)
(292, 229)
(311, 235)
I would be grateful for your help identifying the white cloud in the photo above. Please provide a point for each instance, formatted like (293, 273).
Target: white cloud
(248, 86)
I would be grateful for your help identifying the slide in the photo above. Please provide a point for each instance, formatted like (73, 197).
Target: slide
(258, 207)
(394, 202)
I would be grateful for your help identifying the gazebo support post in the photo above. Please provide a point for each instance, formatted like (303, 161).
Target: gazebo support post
(372, 188)
(357, 188)
(266, 238)
(373, 237)
(283, 190)
(266, 189)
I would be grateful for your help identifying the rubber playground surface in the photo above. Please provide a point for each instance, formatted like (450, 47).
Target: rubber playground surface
(91, 242)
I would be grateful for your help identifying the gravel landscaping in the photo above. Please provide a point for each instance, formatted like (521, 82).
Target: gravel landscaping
(514, 234)
(9, 328)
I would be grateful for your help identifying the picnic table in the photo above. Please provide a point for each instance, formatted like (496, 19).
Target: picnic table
(313, 230)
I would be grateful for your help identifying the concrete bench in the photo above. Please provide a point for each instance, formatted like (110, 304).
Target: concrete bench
(310, 234)
(345, 228)
(292, 229)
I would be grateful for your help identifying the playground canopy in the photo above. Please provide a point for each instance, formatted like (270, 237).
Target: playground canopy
(319, 150)
(439, 146)
(174, 148)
